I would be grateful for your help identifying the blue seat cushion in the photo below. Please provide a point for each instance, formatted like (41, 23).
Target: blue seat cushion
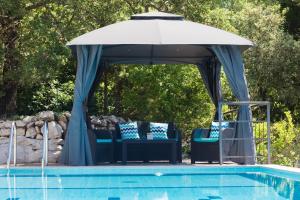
(214, 129)
(129, 131)
(159, 131)
(104, 140)
(206, 139)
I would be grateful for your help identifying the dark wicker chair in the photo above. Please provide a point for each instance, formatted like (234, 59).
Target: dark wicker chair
(204, 148)
(143, 151)
(104, 146)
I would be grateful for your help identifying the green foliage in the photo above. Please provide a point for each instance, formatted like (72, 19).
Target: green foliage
(273, 65)
(292, 23)
(53, 96)
(168, 93)
(158, 93)
(285, 142)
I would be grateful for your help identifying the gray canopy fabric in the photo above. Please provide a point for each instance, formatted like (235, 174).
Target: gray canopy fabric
(210, 73)
(155, 38)
(158, 38)
(159, 29)
(231, 59)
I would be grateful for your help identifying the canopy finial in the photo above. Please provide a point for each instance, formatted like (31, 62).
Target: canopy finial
(156, 15)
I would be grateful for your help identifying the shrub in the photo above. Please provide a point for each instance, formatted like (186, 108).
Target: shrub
(285, 142)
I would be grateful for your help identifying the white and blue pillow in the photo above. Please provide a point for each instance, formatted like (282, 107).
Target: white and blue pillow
(129, 131)
(159, 131)
(214, 129)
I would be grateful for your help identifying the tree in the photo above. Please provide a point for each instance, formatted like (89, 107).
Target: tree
(34, 37)
(272, 65)
(292, 23)
(11, 16)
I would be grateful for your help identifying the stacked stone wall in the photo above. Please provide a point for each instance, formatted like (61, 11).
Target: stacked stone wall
(30, 135)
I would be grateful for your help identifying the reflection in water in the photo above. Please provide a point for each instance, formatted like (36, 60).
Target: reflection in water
(45, 186)
(12, 195)
(286, 188)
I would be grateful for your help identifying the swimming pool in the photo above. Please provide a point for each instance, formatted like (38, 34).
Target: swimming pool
(150, 182)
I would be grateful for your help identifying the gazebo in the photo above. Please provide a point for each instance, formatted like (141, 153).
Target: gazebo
(157, 38)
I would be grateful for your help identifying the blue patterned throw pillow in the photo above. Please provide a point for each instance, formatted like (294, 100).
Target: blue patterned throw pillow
(214, 129)
(129, 131)
(159, 131)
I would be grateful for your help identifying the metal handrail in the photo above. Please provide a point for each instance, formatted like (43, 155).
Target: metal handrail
(234, 110)
(12, 142)
(45, 145)
(250, 104)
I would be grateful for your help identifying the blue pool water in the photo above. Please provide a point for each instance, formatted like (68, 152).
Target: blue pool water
(155, 183)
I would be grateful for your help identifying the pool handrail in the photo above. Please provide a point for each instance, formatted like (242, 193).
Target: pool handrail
(45, 145)
(12, 142)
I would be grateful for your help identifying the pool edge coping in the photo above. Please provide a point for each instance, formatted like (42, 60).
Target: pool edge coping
(267, 166)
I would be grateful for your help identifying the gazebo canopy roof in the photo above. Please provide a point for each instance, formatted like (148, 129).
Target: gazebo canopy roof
(158, 37)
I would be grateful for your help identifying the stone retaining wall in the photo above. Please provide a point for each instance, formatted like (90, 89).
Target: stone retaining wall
(30, 136)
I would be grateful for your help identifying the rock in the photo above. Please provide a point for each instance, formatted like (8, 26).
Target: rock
(33, 143)
(121, 120)
(46, 116)
(53, 156)
(20, 124)
(7, 124)
(28, 119)
(68, 115)
(21, 131)
(4, 153)
(31, 133)
(55, 130)
(39, 123)
(104, 123)
(58, 141)
(54, 147)
(98, 122)
(39, 137)
(37, 144)
(95, 121)
(28, 155)
(62, 118)
(21, 140)
(4, 132)
(113, 119)
(30, 124)
(36, 156)
(63, 125)
(4, 140)
(37, 130)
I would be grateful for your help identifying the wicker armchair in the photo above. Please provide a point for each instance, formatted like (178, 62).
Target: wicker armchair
(205, 148)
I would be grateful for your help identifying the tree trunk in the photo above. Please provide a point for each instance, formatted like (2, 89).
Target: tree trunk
(10, 76)
(118, 89)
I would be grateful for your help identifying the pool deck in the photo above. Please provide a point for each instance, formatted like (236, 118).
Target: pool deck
(185, 163)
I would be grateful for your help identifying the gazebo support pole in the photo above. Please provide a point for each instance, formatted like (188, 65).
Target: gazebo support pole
(220, 132)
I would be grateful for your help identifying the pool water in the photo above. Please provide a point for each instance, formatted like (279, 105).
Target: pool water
(150, 183)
